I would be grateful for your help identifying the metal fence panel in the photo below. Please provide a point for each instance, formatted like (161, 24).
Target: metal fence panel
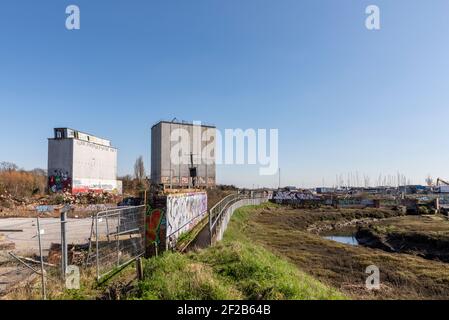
(36, 253)
(119, 238)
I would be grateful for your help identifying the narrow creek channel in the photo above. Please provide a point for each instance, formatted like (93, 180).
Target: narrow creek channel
(351, 240)
(345, 236)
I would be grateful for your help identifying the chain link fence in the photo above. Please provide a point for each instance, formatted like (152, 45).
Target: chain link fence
(38, 255)
(118, 239)
(37, 251)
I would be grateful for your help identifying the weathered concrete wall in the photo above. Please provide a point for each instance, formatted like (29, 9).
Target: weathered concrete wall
(81, 166)
(94, 167)
(184, 212)
(60, 165)
(163, 168)
(171, 216)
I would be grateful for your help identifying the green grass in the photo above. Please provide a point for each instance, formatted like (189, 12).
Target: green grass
(236, 268)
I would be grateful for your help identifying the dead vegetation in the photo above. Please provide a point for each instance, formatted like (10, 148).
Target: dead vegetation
(403, 276)
(21, 183)
(425, 236)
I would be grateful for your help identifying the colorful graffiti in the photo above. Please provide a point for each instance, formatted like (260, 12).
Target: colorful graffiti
(292, 197)
(155, 221)
(45, 208)
(60, 182)
(184, 212)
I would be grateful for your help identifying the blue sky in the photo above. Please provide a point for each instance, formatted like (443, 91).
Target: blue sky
(344, 98)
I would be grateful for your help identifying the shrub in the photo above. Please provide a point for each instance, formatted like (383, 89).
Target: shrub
(22, 183)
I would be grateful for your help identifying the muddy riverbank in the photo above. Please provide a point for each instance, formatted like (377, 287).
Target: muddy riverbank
(295, 234)
(423, 236)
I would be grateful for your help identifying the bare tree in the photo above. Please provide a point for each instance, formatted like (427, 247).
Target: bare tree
(8, 166)
(39, 172)
(429, 181)
(139, 169)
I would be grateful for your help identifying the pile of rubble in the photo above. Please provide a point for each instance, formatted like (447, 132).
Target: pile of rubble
(83, 198)
(7, 200)
(50, 204)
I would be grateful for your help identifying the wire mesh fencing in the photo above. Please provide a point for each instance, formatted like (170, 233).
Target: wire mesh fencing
(12, 271)
(118, 238)
(37, 253)
(41, 254)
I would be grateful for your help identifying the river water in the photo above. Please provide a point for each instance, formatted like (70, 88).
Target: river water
(351, 240)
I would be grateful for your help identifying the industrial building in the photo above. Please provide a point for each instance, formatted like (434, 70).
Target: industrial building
(79, 162)
(183, 154)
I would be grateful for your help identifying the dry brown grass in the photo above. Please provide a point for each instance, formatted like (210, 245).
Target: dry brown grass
(403, 276)
(115, 289)
(22, 183)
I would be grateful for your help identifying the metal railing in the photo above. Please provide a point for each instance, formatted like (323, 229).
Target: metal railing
(216, 211)
(221, 213)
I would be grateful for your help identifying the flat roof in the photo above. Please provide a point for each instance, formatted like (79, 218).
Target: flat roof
(184, 123)
(88, 134)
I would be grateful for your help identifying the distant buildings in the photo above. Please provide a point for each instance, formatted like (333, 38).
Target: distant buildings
(323, 190)
(80, 162)
(183, 154)
(442, 189)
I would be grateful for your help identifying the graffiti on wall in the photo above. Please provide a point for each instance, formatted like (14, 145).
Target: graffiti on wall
(184, 212)
(45, 208)
(155, 222)
(59, 181)
(90, 185)
(281, 197)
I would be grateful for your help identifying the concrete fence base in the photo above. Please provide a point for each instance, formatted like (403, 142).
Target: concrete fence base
(226, 217)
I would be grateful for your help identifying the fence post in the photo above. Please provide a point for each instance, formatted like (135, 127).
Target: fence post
(64, 253)
(139, 269)
(118, 239)
(97, 255)
(44, 290)
(210, 227)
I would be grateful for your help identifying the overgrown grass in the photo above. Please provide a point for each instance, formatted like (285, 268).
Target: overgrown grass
(236, 268)
(89, 288)
(403, 276)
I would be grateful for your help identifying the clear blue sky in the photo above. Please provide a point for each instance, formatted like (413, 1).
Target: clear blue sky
(343, 98)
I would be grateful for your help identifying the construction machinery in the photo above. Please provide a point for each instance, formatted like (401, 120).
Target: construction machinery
(442, 186)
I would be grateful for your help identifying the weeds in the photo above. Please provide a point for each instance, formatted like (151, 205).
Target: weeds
(233, 269)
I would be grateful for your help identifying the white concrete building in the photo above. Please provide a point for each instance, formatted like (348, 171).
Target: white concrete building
(80, 162)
